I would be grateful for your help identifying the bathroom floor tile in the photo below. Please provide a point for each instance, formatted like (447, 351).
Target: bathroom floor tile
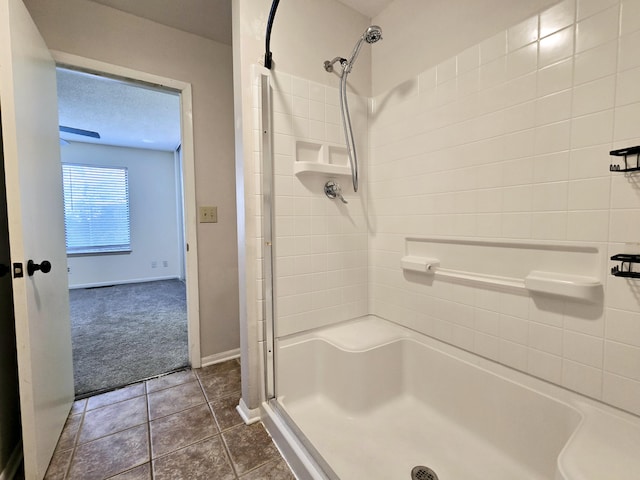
(79, 406)
(170, 380)
(116, 396)
(204, 460)
(143, 472)
(221, 385)
(164, 429)
(69, 433)
(108, 456)
(174, 399)
(249, 446)
(275, 470)
(217, 368)
(113, 418)
(58, 465)
(225, 411)
(181, 429)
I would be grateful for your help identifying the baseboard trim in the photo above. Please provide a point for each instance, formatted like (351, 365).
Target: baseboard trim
(123, 282)
(220, 357)
(11, 468)
(248, 415)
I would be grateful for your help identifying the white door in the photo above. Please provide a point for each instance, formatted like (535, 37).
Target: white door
(28, 105)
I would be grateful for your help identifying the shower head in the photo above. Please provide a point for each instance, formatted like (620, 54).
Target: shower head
(372, 34)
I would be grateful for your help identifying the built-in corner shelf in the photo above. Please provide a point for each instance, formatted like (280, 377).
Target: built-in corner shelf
(625, 153)
(321, 158)
(621, 270)
(320, 168)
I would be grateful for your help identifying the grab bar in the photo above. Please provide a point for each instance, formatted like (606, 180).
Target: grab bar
(553, 283)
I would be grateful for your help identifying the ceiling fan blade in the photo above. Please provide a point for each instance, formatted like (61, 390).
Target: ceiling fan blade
(79, 131)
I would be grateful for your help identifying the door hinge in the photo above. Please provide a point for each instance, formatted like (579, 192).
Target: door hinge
(18, 271)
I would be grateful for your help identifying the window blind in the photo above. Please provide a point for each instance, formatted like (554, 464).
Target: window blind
(96, 209)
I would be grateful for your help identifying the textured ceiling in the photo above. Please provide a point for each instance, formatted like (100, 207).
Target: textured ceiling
(126, 115)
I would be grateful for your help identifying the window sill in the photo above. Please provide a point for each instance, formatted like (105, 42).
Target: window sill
(93, 254)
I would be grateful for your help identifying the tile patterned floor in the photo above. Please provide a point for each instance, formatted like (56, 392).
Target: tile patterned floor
(182, 426)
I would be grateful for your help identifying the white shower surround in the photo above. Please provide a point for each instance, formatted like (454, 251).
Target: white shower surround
(508, 140)
(390, 398)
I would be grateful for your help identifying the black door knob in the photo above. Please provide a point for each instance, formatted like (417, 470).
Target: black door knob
(44, 267)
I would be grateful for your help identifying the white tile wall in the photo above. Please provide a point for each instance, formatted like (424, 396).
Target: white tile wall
(557, 17)
(510, 139)
(320, 244)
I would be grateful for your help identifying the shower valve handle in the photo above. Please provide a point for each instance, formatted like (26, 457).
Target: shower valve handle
(333, 190)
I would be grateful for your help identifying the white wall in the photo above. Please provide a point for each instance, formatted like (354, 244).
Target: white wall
(153, 215)
(496, 126)
(509, 139)
(90, 30)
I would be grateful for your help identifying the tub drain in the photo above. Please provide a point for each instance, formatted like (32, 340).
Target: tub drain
(423, 473)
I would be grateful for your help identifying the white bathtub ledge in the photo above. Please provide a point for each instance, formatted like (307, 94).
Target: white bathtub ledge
(604, 446)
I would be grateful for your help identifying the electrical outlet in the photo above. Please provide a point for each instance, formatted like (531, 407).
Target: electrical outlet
(165, 263)
(154, 264)
(208, 214)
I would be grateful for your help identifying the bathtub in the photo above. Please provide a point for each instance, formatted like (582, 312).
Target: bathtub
(375, 400)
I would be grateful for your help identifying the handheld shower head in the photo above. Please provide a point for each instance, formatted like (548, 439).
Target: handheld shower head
(372, 34)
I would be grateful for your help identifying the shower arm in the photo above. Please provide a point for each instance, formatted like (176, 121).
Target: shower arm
(328, 64)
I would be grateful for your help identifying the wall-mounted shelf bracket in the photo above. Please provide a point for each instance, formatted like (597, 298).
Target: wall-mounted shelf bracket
(624, 269)
(626, 153)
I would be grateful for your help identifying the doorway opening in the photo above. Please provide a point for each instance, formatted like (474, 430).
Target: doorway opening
(121, 150)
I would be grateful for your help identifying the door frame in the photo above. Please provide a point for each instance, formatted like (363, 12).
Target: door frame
(188, 178)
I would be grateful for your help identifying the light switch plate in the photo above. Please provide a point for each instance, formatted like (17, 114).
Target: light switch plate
(208, 214)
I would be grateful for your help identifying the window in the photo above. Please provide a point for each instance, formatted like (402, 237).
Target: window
(96, 209)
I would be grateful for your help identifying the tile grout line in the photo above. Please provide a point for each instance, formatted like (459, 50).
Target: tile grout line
(229, 458)
(76, 440)
(219, 432)
(146, 397)
(222, 438)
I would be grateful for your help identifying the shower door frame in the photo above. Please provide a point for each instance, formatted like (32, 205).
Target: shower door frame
(266, 135)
